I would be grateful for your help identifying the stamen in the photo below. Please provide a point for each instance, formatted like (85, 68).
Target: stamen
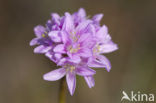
(43, 35)
(96, 49)
(74, 50)
(74, 37)
(72, 68)
(69, 68)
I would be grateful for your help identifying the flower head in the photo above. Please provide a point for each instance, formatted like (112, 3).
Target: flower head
(76, 43)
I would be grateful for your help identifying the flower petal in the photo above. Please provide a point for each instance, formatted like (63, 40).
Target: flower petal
(81, 13)
(54, 75)
(85, 71)
(54, 35)
(39, 30)
(81, 28)
(90, 81)
(91, 29)
(49, 25)
(97, 18)
(85, 52)
(59, 48)
(50, 55)
(61, 61)
(95, 64)
(100, 62)
(79, 16)
(65, 37)
(55, 18)
(33, 42)
(102, 33)
(84, 37)
(74, 58)
(105, 61)
(88, 42)
(108, 47)
(68, 23)
(58, 56)
(71, 82)
(42, 49)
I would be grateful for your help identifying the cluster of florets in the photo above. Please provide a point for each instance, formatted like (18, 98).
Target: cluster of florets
(75, 43)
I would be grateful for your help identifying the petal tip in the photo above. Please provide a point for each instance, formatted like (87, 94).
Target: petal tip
(45, 77)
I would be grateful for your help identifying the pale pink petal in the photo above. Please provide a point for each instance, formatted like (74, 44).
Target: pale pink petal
(96, 64)
(71, 82)
(59, 48)
(68, 23)
(84, 37)
(85, 71)
(97, 18)
(91, 29)
(57, 56)
(75, 59)
(42, 49)
(105, 61)
(64, 37)
(90, 81)
(55, 18)
(108, 47)
(54, 75)
(81, 13)
(102, 33)
(85, 52)
(54, 35)
(61, 61)
(39, 30)
(81, 28)
(33, 42)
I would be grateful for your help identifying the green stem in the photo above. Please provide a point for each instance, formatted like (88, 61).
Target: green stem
(62, 95)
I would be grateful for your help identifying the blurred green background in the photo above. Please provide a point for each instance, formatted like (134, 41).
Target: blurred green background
(131, 23)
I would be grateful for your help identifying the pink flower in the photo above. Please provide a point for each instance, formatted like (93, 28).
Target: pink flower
(76, 43)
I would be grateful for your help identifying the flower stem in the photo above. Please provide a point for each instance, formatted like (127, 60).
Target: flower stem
(62, 95)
